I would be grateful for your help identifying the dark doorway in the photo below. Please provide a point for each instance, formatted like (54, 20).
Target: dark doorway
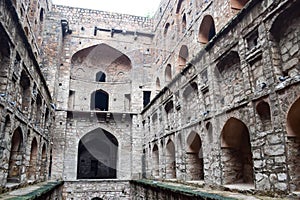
(146, 98)
(99, 100)
(100, 77)
(97, 156)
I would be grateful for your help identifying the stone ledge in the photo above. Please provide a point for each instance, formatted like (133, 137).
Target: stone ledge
(32, 192)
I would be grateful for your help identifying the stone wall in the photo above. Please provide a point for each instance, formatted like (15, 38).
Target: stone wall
(240, 85)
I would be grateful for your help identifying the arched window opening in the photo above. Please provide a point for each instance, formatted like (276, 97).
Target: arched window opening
(4, 59)
(100, 77)
(168, 73)
(157, 84)
(207, 29)
(167, 26)
(170, 160)
(182, 58)
(293, 145)
(38, 113)
(99, 100)
(236, 153)
(194, 157)
(97, 155)
(190, 102)
(15, 159)
(238, 4)
(263, 110)
(183, 23)
(25, 91)
(155, 161)
(43, 172)
(32, 168)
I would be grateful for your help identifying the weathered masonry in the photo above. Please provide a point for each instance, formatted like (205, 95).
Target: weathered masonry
(200, 99)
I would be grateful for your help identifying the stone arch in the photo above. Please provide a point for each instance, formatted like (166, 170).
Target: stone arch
(170, 160)
(155, 161)
(190, 101)
(228, 70)
(32, 168)
(182, 58)
(293, 145)
(5, 60)
(168, 73)
(100, 100)
(157, 84)
(236, 153)
(101, 57)
(16, 157)
(100, 76)
(183, 23)
(238, 4)
(43, 172)
(97, 155)
(25, 91)
(6, 127)
(38, 109)
(285, 29)
(264, 112)
(194, 157)
(207, 29)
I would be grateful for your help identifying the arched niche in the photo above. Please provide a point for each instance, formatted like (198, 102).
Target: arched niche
(207, 29)
(179, 5)
(97, 155)
(32, 168)
(168, 73)
(236, 153)
(15, 158)
(43, 172)
(183, 23)
(264, 113)
(166, 29)
(157, 84)
(100, 100)
(155, 161)
(87, 62)
(238, 4)
(5, 60)
(194, 157)
(25, 91)
(182, 58)
(170, 160)
(293, 119)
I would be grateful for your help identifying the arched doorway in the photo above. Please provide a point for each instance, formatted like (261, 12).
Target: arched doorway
(97, 155)
(100, 76)
(168, 73)
(99, 100)
(170, 160)
(293, 145)
(43, 172)
(236, 153)
(155, 161)
(33, 160)
(194, 157)
(182, 58)
(207, 29)
(15, 159)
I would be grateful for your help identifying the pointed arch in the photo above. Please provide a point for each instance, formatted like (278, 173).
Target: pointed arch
(236, 153)
(207, 29)
(16, 155)
(25, 91)
(264, 112)
(183, 23)
(170, 160)
(43, 172)
(194, 157)
(166, 29)
(293, 118)
(158, 87)
(97, 155)
(32, 168)
(182, 58)
(155, 161)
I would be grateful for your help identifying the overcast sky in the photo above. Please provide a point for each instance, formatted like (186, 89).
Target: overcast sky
(133, 7)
